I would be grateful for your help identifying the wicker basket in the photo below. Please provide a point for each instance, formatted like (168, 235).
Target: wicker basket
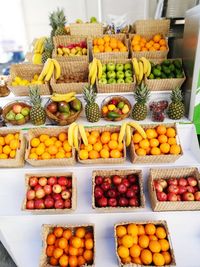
(152, 26)
(26, 71)
(157, 223)
(57, 121)
(155, 158)
(9, 106)
(167, 174)
(113, 55)
(48, 228)
(67, 40)
(118, 98)
(51, 211)
(48, 162)
(18, 161)
(116, 87)
(71, 69)
(164, 84)
(86, 29)
(108, 173)
(102, 160)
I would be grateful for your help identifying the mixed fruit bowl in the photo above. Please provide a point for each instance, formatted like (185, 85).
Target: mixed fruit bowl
(17, 113)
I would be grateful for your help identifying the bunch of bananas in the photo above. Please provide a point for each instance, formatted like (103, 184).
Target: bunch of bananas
(50, 66)
(38, 49)
(73, 138)
(95, 70)
(142, 68)
(63, 97)
(126, 130)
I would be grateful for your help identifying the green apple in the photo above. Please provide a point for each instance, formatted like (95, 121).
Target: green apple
(121, 105)
(25, 111)
(10, 116)
(103, 81)
(129, 80)
(128, 73)
(120, 74)
(128, 66)
(104, 67)
(119, 67)
(120, 81)
(104, 75)
(111, 80)
(111, 74)
(19, 117)
(110, 66)
(93, 20)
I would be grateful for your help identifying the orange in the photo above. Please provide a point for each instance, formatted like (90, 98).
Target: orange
(164, 244)
(58, 231)
(119, 44)
(73, 261)
(170, 132)
(150, 229)
(97, 147)
(88, 255)
(108, 49)
(162, 139)
(113, 45)
(67, 234)
(104, 153)
(100, 41)
(153, 237)
(123, 49)
(12, 154)
(106, 38)
(144, 143)
(148, 45)
(6, 150)
(113, 144)
(14, 144)
(157, 38)
(8, 138)
(123, 252)
(95, 133)
(73, 251)
(127, 241)
(141, 152)
(52, 150)
(121, 231)
(126, 260)
(167, 257)
(48, 142)
(80, 232)
(164, 148)
(143, 241)
(96, 50)
(135, 239)
(62, 243)
(132, 229)
(144, 49)
(141, 230)
(94, 154)
(162, 42)
(95, 41)
(152, 48)
(151, 42)
(16, 136)
(105, 137)
(163, 48)
(137, 37)
(58, 252)
(114, 136)
(83, 154)
(158, 259)
(153, 142)
(2, 141)
(63, 261)
(80, 251)
(39, 150)
(137, 260)
(150, 133)
(58, 143)
(81, 261)
(101, 48)
(35, 142)
(32, 156)
(60, 155)
(76, 242)
(160, 232)
(46, 155)
(171, 141)
(43, 137)
(137, 138)
(134, 42)
(156, 46)
(49, 250)
(115, 153)
(155, 151)
(154, 246)
(88, 235)
(89, 147)
(92, 139)
(89, 244)
(51, 239)
(53, 261)
(137, 48)
(146, 257)
(175, 150)
(135, 251)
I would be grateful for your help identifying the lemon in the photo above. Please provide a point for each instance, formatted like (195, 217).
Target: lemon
(17, 79)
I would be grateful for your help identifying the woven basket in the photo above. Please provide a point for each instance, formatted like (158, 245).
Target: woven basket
(51, 211)
(167, 174)
(118, 98)
(67, 40)
(102, 160)
(48, 228)
(18, 161)
(157, 223)
(86, 29)
(9, 106)
(152, 26)
(48, 162)
(155, 158)
(117, 87)
(56, 120)
(164, 84)
(26, 71)
(113, 55)
(108, 173)
(74, 70)
(29, 56)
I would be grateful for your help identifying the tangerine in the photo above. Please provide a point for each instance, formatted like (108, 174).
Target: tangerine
(175, 150)
(150, 229)
(123, 252)
(127, 241)
(94, 154)
(155, 151)
(132, 229)
(167, 257)
(170, 132)
(160, 232)
(135, 251)
(51, 239)
(164, 244)
(154, 246)
(50, 250)
(35, 142)
(58, 252)
(67, 234)
(164, 148)
(141, 152)
(162, 139)
(88, 255)
(58, 231)
(63, 261)
(137, 138)
(158, 259)
(121, 231)
(115, 153)
(144, 143)
(73, 261)
(146, 257)
(80, 232)
(143, 241)
(83, 154)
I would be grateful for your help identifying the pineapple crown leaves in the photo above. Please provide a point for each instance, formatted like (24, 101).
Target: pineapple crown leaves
(89, 95)
(142, 93)
(57, 18)
(176, 95)
(35, 95)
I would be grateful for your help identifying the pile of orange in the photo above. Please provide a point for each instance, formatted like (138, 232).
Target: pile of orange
(108, 44)
(9, 144)
(160, 141)
(157, 43)
(68, 248)
(50, 147)
(101, 145)
(143, 244)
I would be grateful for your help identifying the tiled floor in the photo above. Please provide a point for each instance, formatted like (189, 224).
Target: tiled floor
(5, 259)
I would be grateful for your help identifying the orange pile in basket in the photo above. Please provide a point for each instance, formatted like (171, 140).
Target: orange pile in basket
(156, 43)
(9, 144)
(108, 44)
(144, 244)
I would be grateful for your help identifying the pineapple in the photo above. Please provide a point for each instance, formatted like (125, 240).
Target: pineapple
(37, 113)
(176, 108)
(141, 95)
(92, 110)
(48, 48)
(57, 22)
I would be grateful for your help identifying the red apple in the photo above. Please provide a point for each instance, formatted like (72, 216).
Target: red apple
(107, 180)
(133, 202)
(69, 183)
(197, 196)
(182, 181)
(47, 189)
(158, 187)
(178, 198)
(102, 202)
(64, 187)
(192, 181)
(136, 188)
(66, 194)
(195, 189)
(42, 181)
(40, 193)
(62, 180)
(68, 203)
(173, 189)
(98, 180)
(59, 204)
(33, 181)
(17, 108)
(49, 202)
(161, 196)
(171, 197)
(172, 181)
(56, 196)
(112, 202)
(126, 182)
(37, 187)
(182, 189)
(52, 180)
(98, 192)
(188, 196)
(30, 195)
(121, 188)
(132, 178)
(190, 189)
(105, 186)
(116, 179)
(111, 193)
(30, 204)
(130, 193)
(123, 202)
(39, 204)
(162, 182)
(57, 188)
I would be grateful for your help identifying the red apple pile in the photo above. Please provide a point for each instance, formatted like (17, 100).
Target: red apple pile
(177, 189)
(117, 191)
(49, 193)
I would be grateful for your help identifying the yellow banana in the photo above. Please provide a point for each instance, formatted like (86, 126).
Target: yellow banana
(138, 128)
(37, 58)
(83, 134)
(75, 137)
(40, 44)
(62, 97)
(93, 68)
(141, 74)
(128, 135)
(71, 133)
(99, 66)
(50, 72)
(145, 64)
(45, 70)
(93, 78)
(122, 132)
(57, 68)
(70, 99)
(136, 66)
(35, 49)
(149, 68)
